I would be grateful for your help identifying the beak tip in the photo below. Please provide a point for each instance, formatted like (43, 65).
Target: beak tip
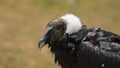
(41, 44)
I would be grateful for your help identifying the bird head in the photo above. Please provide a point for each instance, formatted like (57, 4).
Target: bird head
(57, 28)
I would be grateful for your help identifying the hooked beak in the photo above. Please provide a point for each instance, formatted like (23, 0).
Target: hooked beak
(45, 39)
(42, 43)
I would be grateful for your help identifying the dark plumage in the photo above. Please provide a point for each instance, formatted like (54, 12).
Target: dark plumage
(85, 48)
(76, 51)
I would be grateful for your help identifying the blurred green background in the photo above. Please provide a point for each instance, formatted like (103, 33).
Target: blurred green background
(22, 23)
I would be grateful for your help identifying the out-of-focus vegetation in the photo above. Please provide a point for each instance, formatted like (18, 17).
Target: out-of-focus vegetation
(22, 23)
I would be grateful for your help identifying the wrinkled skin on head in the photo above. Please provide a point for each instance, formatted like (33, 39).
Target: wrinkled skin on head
(54, 32)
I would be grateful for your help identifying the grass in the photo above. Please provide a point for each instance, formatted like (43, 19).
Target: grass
(23, 22)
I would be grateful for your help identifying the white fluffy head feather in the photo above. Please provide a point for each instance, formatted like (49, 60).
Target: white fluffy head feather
(73, 23)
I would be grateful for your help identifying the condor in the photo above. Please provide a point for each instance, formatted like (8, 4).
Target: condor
(76, 46)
